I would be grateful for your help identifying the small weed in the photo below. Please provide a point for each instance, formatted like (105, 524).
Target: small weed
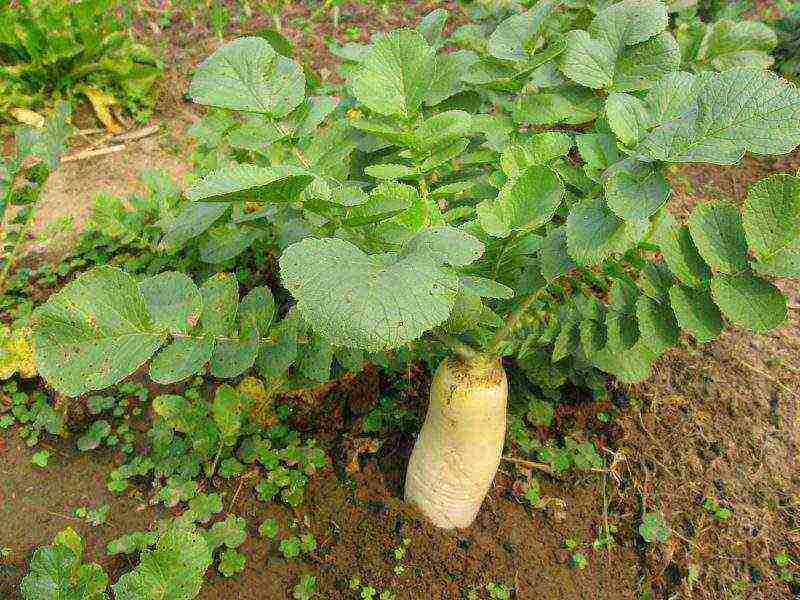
(306, 589)
(41, 458)
(94, 516)
(720, 512)
(653, 528)
(268, 529)
(498, 592)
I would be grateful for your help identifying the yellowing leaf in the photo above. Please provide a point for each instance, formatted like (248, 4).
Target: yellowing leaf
(16, 353)
(261, 405)
(101, 101)
(29, 117)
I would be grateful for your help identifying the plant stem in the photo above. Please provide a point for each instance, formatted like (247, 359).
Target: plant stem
(13, 256)
(461, 349)
(513, 321)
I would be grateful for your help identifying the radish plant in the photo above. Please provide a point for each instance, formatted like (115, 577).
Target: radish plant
(505, 201)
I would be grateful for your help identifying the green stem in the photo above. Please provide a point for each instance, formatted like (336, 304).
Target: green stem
(13, 256)
(513, 321)
(461, 349)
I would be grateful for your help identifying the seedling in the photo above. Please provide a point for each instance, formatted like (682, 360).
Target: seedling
(653, 528)
(306, 589)
(498, 592)
(268, 529)
(721, 513)
(94, 516)
(41, 458)
(462, 230)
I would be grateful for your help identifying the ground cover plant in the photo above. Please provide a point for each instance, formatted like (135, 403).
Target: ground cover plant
(409, 209)
(505, 224)
(57, 49)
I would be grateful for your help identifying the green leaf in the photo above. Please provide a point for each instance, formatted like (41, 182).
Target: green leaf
(227, 241)
(432, 25)
(737, 111)
(181, 359)
(679, 251)
(635, 190)
(390, 171)
(696, 313)
(204, 506)
(315, 363)
(227, 413)
(527, 202)
(220, 304)
(570, 105)
(173, 301)
(94, 332)
(771, 215)
(640, 66)
(486, 288)
(588, 61)
(192, 220)
(369, 302)
(445, 245)
(447, 80)
(786, 263)
(232, 562)
(232, 532)
(247, 74)
(749, 302)
(594, 233)
(277, 353)
(236, 353)
(173, 570)
(554, 256)
(728, 44)
(716, 228)
(656, 280)
(658, 327)
(513, 37)
(631, 366)
(442, 129)
(393, 79)
(269, 528)
(629, 22)
(599, 150)
(628, 117)
(260, 303)
(250, 182)
(56, 572)
(538, 149)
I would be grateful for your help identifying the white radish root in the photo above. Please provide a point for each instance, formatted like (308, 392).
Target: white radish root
(460, 445)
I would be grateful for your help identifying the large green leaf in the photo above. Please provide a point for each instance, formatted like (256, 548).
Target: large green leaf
(749, 302)
(445, 245)
(588, 61)
(728, 44)
(173, 301)
(172, 571)
(631, 366)
(635, 190)
(227, 241)
(250, 182)
(594, 232)
(527, 202)
(679, 251)
(247, 74)
(362, 301)
(639, 67)
(513, 37)
(733, 112)
(94, 332)
(771, 215)
(629, 22)
(192, 220)
(181, 359)
(555, 260)
(628, 117)
(696, 313)
(716, 228)
(657, 325)
(394, 78)
(570, 105)
(56, 573)
(538, 149)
